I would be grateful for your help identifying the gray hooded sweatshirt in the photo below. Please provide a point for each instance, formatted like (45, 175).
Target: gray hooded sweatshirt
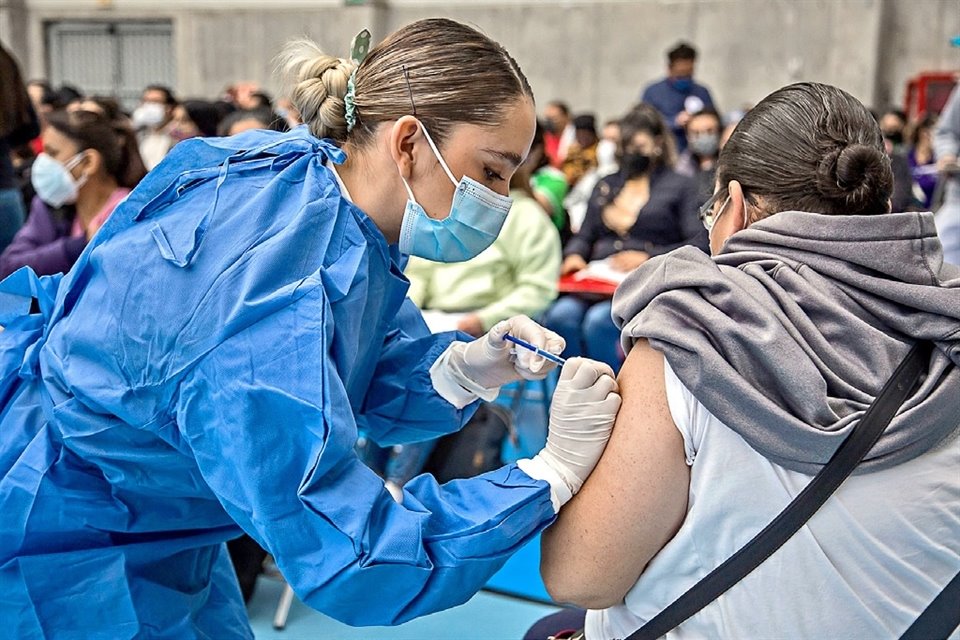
(790, 332)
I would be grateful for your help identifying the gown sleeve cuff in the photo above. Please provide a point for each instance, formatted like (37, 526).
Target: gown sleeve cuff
(453, 386)
(537, 469)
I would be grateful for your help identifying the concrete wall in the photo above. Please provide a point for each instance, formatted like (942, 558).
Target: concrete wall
(599, 55)
(596, 55)
(13, 27)
(915, 37)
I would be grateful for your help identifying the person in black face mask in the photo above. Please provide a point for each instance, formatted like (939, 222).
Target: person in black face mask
(893, 123)
(644, 210)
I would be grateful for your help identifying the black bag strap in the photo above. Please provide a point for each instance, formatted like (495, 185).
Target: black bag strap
(845, 459)
(940, 618)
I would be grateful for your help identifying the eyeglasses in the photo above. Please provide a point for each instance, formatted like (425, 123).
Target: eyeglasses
(707, 216)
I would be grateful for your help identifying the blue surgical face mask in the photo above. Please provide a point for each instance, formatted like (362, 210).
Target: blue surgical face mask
(705, 144)
(682, 83)
(53, 181)
(476, 216)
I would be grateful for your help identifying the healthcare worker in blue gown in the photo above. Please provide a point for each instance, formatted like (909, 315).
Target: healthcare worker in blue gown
(203, 370)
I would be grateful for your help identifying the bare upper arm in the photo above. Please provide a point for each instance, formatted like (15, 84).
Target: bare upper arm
(631, 505)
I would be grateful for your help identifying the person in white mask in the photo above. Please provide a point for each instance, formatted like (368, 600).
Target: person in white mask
(150, 120)
(576, 201)
(88, 165)
(699, 159)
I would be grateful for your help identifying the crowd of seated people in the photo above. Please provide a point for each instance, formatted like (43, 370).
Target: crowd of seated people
(586, 195)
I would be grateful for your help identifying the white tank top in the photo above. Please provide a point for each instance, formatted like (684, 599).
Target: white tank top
(864, 566)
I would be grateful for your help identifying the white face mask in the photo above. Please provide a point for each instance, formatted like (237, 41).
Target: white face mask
(149, 115)
(606, 154)
(710, 222)
(704, 145)
(53, 181)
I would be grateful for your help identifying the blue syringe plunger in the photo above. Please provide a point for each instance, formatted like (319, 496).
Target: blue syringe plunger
(537, 350)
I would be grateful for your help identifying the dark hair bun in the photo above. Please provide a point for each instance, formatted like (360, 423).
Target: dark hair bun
(856, 177)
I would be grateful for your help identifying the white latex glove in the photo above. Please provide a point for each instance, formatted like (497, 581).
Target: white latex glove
(582, 414)
(490, 362)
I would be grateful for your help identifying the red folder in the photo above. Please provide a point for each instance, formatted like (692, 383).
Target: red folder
(592, 286)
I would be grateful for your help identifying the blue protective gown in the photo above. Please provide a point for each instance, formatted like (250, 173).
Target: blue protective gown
(202, 371)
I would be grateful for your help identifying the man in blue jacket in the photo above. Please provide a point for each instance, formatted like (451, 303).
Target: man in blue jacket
(677, 97)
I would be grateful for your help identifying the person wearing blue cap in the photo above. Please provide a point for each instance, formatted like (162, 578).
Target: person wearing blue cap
(203, 369)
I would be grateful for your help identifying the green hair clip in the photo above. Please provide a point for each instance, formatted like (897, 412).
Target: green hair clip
(359, 48)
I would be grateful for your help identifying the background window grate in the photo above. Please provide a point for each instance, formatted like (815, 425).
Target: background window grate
(111, 58)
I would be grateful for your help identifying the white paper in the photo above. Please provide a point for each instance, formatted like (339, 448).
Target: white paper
(601, 270)
(440, 321)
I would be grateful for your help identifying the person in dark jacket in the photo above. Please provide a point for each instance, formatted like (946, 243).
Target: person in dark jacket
(18, 126)
(645, 210)
(678, 97)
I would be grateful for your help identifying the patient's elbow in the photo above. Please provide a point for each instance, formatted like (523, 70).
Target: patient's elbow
(580, 590)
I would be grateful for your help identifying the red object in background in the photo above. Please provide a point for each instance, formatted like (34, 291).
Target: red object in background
(551, 147)
(927, 92)
(589, 286)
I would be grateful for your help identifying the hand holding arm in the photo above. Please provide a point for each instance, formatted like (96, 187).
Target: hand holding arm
(582, 414)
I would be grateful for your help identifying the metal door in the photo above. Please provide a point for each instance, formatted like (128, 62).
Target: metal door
(111, 58)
